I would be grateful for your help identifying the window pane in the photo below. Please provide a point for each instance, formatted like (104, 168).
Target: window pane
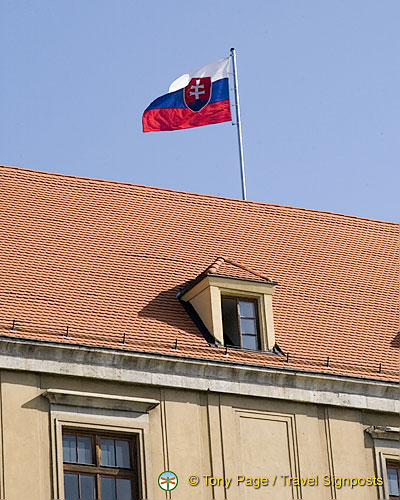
(393, 481)
(87, 487)
(124, 489)
(122, 452)
(247, 309)
(250, 341)
(108, 488)
(230, 321)
(85, 455)
(107, 452)
(71, 487)
(248, 326)
(69, 448)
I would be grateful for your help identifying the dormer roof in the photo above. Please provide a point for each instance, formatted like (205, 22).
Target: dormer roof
(225, 267)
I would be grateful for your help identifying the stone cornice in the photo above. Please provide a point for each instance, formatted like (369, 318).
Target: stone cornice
(196, 374)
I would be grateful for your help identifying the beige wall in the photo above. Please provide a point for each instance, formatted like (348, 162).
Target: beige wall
(192, 432)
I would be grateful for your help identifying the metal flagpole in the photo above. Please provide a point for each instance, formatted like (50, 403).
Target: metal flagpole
(238, 122)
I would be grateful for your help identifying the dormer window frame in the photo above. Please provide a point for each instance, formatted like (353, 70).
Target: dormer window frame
(205, 295)
(239, 317)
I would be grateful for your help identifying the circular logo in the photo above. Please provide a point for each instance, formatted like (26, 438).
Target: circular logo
(167, 480)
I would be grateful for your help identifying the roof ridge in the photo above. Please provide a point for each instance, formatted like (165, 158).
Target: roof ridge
(205, 195)
(215, 265)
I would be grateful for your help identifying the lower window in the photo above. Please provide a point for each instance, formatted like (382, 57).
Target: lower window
(393, 475)
(100, 466)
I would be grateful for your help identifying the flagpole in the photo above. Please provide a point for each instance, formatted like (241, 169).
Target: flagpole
(238, 123)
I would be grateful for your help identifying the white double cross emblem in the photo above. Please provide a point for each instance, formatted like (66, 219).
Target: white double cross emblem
(197, 90)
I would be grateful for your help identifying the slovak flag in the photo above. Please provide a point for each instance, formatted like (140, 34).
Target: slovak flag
(198, 98)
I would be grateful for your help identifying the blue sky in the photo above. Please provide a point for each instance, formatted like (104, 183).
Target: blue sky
(319, 88)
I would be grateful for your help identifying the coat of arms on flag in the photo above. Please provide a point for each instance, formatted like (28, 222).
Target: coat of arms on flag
(200, 97)
(197, 94)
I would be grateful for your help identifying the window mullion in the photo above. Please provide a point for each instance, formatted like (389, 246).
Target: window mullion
(258, 329)
(115, 455)
(98, 494)
(93, 449)
(76, 448)
(239, 322)
(98, 451)
(79, 486)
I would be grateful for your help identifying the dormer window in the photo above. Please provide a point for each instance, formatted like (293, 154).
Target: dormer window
(240, 322)
(234, 305)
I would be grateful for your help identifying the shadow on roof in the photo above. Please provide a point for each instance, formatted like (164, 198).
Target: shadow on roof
(167, 308)
(396, 340)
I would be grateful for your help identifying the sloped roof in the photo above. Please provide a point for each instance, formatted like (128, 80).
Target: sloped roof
(106, 260)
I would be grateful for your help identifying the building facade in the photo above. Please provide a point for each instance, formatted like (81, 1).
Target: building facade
(250, 349)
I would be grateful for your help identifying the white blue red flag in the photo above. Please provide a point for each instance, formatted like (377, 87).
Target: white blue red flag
(200, 97)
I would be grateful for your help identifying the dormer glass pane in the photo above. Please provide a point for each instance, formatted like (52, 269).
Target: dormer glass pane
(248, 326)
(249, 341)
(247, 309)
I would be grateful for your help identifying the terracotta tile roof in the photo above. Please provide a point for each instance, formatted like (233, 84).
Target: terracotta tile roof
(106, 259)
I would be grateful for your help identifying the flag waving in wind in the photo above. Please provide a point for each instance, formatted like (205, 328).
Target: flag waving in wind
(198, 98)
